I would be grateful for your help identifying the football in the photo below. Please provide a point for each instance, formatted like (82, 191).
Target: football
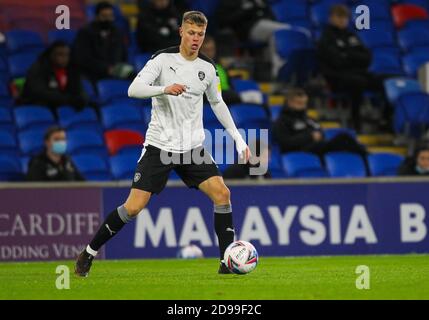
(190, 252)
(241, 257)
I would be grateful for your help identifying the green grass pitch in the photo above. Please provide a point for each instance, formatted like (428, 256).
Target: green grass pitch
(391, 277)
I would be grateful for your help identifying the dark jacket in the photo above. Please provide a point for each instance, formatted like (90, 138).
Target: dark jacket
(408, 168)
(242, 15)
(293, 130)
(41, 168)
(340, 51)
(41, 86)
(95, 50)
(157, 29)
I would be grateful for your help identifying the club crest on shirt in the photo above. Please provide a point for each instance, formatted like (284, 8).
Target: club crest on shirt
(201, 75)
(137, 177)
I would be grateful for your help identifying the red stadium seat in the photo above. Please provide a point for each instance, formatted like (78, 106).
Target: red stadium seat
(402, 13)
(120, 139)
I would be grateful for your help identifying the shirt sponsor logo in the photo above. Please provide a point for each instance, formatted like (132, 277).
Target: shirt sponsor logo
(201, 75)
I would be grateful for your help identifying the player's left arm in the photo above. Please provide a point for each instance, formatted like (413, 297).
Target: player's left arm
(220, 109)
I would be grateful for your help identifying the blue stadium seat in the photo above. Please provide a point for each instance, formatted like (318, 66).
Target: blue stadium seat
(319, 11)
(381, 25)
(386, 62)
(93, 167)
(275, 112)
(66, 35)
(23, 41)
(89, 90)
(6, 100)
(250, 116)
(296, 48)
(275, 165)
(122, 116)
(6, 120)
(290, 41)
(333, 132)
(33, 117)
(302, 165)
(10, 168)
(140, 60)
(8, 144)
(345, 165)
(112, 90)
(413, 61)
(411, 38)
(248, 87)
(4, 70)
(123, 166)
(290, 11)
(374, 38)
(412, 113)
(19, 63)
(395, 87)
(417, 24)
(84, 119)
(384, 164)
(31, 142)
(208, 7)
(85, 142)
(244, 85)
(24, 164)
(209, 118)
(173, 176)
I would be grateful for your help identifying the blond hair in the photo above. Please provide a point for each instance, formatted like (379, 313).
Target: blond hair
(195, 17)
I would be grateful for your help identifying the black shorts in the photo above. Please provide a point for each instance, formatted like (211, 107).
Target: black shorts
(193, 167)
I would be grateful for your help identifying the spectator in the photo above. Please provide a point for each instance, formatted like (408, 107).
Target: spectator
(295, 131)
(228, 94)
(344, 61)
(158, 26)
(418, 165)
(253, 20)
(53, 81)
(259, 161)
(53, 164)
(100, 49)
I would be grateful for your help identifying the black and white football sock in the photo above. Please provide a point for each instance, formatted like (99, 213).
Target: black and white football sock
(224, 227)
(111, 226)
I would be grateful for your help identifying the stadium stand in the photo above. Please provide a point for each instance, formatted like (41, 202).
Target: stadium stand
(398, 40)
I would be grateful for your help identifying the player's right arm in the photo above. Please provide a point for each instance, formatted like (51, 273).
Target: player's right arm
(142, 86)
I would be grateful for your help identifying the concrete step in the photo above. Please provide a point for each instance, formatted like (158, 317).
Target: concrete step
(276, 100)
(330, 124)
(376, 139)
(397, 150)
(266, 87)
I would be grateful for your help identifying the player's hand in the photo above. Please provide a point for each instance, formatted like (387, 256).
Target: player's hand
(243, 150)
(175, 89)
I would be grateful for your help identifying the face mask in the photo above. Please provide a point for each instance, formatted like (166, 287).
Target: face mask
(420, 170)
(59, 147)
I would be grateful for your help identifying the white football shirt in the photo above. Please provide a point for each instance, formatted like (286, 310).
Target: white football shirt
(176, 123)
